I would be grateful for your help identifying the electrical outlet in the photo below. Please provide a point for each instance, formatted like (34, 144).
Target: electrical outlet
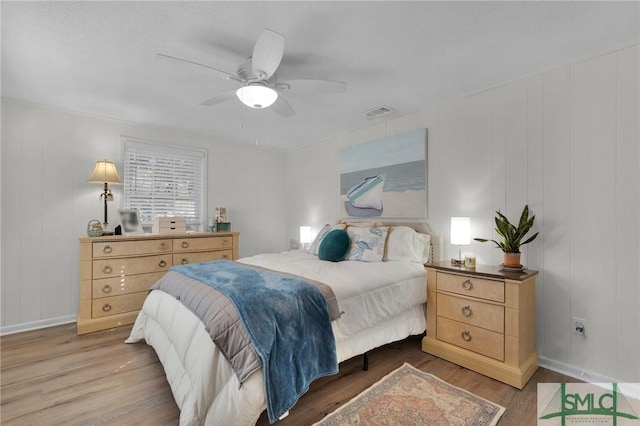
(579, 326)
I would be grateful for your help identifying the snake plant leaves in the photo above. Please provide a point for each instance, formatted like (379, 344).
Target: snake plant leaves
(511, 235)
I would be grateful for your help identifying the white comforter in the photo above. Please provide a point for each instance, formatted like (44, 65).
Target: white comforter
(382, 302)
(367, 292)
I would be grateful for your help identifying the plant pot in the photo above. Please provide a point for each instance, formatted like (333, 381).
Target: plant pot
(512, 260)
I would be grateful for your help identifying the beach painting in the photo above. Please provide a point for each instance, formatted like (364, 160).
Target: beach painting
(385, 178)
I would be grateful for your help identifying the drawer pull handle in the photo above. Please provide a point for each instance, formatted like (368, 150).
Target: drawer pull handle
(107, 269)
(163, 246)
(466, 336)
(225, 242)
(106, 307)
(184, 244)
(466, 310)
(106, 288)
(184, 261)
(107, 249)
(162, 264)
(224, 256)
(467, 285)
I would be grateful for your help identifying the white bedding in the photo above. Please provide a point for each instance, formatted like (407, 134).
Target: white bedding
(382, 302)
(367, 292)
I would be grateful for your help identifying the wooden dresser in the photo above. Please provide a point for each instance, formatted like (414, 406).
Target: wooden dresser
(117, 271)
(483, 318)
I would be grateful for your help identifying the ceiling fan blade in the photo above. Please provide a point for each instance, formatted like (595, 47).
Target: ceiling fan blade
(218, 99)
(282, 108)
(203, 67)
(312, 86)
(267, 54)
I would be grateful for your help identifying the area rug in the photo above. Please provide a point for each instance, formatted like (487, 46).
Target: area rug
(408, 396)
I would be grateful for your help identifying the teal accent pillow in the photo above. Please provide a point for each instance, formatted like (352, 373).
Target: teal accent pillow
(334, 246)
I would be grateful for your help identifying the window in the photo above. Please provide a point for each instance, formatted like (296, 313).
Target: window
(162, 180)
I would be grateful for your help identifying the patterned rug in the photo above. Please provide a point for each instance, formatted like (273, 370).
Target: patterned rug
(408, 396)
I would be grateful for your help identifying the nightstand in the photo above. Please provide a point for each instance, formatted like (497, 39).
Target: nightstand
(483, 319)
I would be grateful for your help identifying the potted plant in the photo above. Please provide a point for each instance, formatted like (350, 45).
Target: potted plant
(512, 236)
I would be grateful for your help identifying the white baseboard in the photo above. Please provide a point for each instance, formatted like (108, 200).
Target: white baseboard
(35, 325)
(575, 372)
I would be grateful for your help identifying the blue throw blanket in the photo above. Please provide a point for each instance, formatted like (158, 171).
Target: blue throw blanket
(287, 320)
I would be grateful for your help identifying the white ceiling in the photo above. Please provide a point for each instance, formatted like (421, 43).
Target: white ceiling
(100, 57)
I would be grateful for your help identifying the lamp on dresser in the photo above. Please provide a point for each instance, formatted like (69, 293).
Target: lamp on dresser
(460, 236)
(105, 173)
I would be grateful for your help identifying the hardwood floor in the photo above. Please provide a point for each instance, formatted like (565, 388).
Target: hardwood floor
(54, 377)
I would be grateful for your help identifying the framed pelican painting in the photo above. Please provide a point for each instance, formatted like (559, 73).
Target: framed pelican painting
(386, 178)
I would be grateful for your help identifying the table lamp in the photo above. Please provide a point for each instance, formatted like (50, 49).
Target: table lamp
(460, 236)
(105, 173)
(305, 236)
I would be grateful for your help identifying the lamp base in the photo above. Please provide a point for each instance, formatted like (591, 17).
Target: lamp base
(457, 262)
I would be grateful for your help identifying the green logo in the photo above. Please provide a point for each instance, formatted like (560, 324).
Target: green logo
(599, 402)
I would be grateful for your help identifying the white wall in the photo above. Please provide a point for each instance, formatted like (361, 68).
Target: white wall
(564, 141)
(47, 157)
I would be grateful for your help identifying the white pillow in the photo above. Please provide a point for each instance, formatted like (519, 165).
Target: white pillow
(404, 243)
(367, 243)
(315, 245)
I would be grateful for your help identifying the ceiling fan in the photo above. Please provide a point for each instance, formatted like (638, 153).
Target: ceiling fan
(260, 87)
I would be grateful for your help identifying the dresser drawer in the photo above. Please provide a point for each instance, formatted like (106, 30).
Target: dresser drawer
(130, 248)
(122, 268)
(210, 243)
(201, 256)
(470, 337)
(474, 312)
(113, 305)
(107, 287)
(471, 286)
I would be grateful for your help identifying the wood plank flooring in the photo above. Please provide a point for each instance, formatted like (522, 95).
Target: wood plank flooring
(54, 377)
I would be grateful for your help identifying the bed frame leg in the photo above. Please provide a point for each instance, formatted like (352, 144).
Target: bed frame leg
(365, 361)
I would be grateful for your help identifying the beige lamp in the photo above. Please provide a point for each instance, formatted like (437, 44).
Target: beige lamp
(105, 173)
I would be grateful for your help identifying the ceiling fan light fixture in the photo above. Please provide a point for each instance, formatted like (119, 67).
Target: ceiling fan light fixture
(257, 96)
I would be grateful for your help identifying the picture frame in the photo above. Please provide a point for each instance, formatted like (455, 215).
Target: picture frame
(223, 226)
(385, 178)
(130, 222)
(295, 245)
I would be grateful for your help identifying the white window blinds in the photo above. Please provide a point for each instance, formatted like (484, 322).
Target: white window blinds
(164, 181)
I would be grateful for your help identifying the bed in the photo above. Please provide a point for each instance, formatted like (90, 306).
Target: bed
(379, 302)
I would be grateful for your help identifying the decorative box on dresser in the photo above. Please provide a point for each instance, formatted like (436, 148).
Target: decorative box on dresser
(483, 318)
(117, 271)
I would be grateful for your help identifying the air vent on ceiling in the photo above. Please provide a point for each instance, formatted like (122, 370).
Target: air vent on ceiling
(378, 112)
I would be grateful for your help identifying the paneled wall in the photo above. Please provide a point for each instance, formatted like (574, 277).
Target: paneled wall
(564, 141)
(47, 157)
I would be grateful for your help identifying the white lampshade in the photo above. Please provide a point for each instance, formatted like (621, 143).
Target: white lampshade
(105, 172)
(305, 234)
(257, 96)
(461, 231)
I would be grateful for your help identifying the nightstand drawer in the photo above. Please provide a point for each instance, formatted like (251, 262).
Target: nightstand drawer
(202, 256)
(130, 248)
(106, 268)
(471, 286)
(107, 287)
(469, 311)
(190, 244)
(118, 304)
(472, 338)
